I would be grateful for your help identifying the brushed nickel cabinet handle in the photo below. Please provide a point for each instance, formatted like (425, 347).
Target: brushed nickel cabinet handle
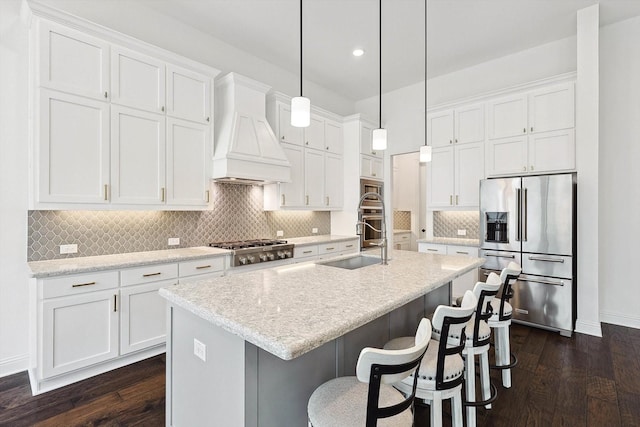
(306, 252)
(78, 285)
(457, 199)
(206, 195)
(201, 267)
(162, 194)
(283, 200)
(106, 192)
(115, 303)
(432, 250)
(151, 274)
(105, 95)
(451, 199)
(348, 246)
(531, 128)
(327, 200)
(307, 200)
(330, 249)
(462, 253)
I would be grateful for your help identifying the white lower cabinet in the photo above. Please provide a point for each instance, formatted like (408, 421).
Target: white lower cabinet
(325, 250)
(463, 283)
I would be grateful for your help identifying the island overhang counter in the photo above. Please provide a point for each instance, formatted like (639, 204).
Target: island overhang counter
(271, 336)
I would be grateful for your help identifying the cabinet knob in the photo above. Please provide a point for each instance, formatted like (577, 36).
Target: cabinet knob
(531, 128)
(327, 148)
(105, 95)
(524, 168)
(207, 118)
(162, 108)
(373, 174)
(373, 152)
(456, 140)
(450, 142)
(307, 143)
(282, 136)
(531, 167)
(524, 130)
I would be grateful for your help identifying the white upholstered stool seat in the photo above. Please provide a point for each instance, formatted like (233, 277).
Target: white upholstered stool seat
(453, 366)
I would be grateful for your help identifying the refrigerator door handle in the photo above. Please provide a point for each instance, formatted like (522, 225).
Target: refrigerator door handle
(542, 281)
(518, 213)
(547, 259)
(525, 216)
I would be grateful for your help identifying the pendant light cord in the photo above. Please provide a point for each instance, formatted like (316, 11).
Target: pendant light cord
(300, 47)
(380, 64)
(425, 72)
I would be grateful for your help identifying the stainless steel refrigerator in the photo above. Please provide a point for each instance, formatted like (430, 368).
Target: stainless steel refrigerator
(532, 220)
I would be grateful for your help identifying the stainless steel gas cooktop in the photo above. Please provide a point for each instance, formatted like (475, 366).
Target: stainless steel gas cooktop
(247, 252)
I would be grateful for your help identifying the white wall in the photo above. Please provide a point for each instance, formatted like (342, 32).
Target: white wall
(136, 20)
(619, 164)
(13, 190)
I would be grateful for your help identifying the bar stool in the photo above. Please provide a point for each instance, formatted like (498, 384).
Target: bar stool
(500, 321)
(349, 401)
(441, 372)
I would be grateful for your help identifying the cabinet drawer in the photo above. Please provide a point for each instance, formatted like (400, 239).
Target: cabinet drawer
(462, 250)
(432, 248)
(149, 273)
(77, 284)
(350, 246)
(329, 248)
(200, 266)
(305, 252)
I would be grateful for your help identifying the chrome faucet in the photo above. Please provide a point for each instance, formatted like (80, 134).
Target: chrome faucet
(360, 223)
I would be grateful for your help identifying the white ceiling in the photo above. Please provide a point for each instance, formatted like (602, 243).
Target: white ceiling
(461, 33)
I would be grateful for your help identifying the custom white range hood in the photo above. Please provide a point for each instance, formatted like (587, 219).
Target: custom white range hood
(246, 149)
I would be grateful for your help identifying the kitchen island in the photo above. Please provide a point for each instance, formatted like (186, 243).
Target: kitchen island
(266, 339)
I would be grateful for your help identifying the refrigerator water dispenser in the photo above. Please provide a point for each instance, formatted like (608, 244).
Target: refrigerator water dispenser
(497, 227)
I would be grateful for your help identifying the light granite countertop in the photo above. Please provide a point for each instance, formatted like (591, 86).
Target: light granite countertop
(320, 238)
(291, 310)
(58, 267)
(451, 241)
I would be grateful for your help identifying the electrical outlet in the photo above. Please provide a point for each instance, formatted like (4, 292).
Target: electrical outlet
(314, 230)
(200, 350)
(279, 233)
(174, 241)
(462, 232)
(69, 249)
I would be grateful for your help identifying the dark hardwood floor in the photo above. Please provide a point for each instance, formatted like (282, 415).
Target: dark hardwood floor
(578, 381)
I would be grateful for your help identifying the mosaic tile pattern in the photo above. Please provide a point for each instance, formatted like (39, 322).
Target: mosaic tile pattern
(447, 223)
(237, 214)
(402, 220)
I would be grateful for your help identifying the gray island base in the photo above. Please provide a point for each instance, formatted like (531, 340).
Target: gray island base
(270, 337)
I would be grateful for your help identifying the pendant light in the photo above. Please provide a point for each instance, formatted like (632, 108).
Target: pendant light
(300, 106)
(380, 135)
(425, 150)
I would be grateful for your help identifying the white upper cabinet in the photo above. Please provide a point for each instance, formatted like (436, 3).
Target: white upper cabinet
(552, 151)
(314, 178)
(137, 80)
(366, 140)
(455, 174)
(333, 136)
(441, 176)
(440, 129)
(507, 116)
(188, 95)
(333, 180)
(188, 162)
(292, 193)
(552, 108)
(72, 62)
(286, 132)
(456, 126)
(137, 157)
(507, 156)
(314, 134)
(73, 149)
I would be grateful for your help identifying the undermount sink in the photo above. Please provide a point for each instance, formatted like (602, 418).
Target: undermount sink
(353, 262)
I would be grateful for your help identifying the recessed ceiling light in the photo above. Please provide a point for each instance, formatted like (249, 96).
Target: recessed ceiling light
(358, 52)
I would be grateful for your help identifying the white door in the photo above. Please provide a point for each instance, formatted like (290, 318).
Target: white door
(506, 156)
(441, 178)
(440, 128)
(73, 149)
(507, 117)
(79, 331)
(292, 193)
(314, 134)
(287, 133)
(333, 180)
(137, 80)
(188, 95)
(469, 170)
(552, 151)
(469, 124)
(552, 108)
(314, 178)
(189, 147)
(73, 62)
(137, 156)
(142, 316)
(333, 136)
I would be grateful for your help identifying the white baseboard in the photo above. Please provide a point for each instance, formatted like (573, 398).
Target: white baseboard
(589, 328)
(620, 319)
(13, 365)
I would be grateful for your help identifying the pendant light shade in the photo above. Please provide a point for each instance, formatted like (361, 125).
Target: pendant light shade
(380, 135)
(425, 154)
(425, 150)
(300, 106)
(300, 112)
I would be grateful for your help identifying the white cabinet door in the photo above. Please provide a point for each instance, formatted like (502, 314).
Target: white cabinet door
(432, 248)
(366, 164)
(507, 116)
(552, 108)
(188, 95)
(469, 124)
(188, 162)
(469, 170)
(506, 156)
(333, 180)
(440, 128)
(314, 134)
(78, 331)
(314, 178)
(292, 193)
(366, 140)
(137, 80)
(137, 156)
(333, 137)
(286, 132)
(72, 61)
(73, 144)
(377, 168)
(142, 316)
(441, 178)
(552, 151)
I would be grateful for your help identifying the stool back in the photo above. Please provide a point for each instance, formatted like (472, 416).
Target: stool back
(484, 292)
(451, 321)
(508, 275)
(377, 366)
